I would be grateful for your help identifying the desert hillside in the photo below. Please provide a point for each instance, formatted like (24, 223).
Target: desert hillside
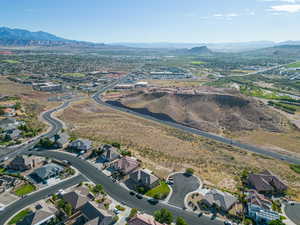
(213, 111)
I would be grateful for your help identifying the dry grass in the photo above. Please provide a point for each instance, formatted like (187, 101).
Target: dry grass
(164, 149)
(34, 102)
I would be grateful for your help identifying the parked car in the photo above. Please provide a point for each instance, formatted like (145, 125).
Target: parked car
(139, 196)
(226, 222)
(116, 211)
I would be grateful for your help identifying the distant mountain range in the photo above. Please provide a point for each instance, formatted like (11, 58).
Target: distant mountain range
(20, 37)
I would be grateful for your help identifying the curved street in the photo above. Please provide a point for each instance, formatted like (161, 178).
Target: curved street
(13, 208)
(224, 140)
(121, 194)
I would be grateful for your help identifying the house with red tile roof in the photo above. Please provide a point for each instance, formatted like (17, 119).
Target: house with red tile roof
(143, 219)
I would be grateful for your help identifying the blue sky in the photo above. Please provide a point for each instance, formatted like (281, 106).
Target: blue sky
(157, 20)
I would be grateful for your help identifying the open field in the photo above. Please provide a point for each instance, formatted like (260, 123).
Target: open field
(34, 102)
(10, 61)
(164, 149)
(74, 75)
(293, 65)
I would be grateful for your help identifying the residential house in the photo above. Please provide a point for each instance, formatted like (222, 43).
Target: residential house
(260, 208)
(48, 171)
(9, 124)
(39, 217)
(266, 183)
(21, 163)
(14, 134)
(109, 153)
(143, 219)
(144, 178)
(7, 182)
(95, 215)
(125, 165)
(62, 140)
(222, 200)
(75, 199)
(81, 145)
(9, 112)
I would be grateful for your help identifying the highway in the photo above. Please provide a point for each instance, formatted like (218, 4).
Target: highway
(121, 194)
(250, 148)
(13, 208)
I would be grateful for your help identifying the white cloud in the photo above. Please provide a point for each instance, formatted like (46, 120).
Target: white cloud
(290, 8)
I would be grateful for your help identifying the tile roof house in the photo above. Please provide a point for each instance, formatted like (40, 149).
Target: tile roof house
(266, 183)
(144, 178)
(81, 145)
(14, 134)
(48, 171)
(109, 153)
(126, 165)
(21, 163)
(9, 112)
(253, 197)
(76, 200)
(96, 216)
(37, 218)
(223, 200)
(9, 124)
(143, 219)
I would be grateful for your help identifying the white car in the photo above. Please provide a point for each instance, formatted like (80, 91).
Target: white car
(116, 211)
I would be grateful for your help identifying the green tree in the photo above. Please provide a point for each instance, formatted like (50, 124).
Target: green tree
(180, 221)
(276, 222)
(98, 189)
(116, 145)
(163, 216)
(17, 106)
(2, 112)
(189, 171)
(68, 209)
(133, 213)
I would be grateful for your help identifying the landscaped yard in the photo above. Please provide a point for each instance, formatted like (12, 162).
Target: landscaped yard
(74, 74)
(162, 190)
(197, 63)
(25, 189)
(20, 216)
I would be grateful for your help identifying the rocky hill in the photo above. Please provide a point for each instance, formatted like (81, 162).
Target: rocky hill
(213, 112)
(20, 37)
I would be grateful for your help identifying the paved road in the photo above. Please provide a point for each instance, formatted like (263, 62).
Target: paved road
(182, 186)
(10, 210)
(250, 148)
(120, 194)
(293, 212)
(55, 125)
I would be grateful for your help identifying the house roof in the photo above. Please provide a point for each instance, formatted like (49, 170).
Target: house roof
(109, 152)
(96, 215)
(127, 164)
(36, 218)
(223, 200)
(7, 121)
(254, 197)
(143, 219)
(81, 142)
(21, 159)
(144, 176)
(75, 199)
(266, 182)
(47, 170)
(63, 138)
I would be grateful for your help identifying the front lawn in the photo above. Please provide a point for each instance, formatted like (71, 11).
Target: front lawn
(25, 189)
(160, 191)
(74, 75)
(294, 65)
(20, 216)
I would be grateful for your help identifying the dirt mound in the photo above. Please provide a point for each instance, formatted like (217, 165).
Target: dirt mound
(213, 112)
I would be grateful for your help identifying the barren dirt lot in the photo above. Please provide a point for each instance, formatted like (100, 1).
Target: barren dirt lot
(165, 149)
(34, 102)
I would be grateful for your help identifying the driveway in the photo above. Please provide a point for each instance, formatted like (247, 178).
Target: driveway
(293, 212)
(182, 186)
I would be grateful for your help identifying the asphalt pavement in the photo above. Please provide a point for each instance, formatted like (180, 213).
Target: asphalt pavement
(224, 140)
(13, 208)
(293, 212)
(182, 186)
(121, 194)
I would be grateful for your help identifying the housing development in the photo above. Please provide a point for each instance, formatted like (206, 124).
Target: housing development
(102, 134)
